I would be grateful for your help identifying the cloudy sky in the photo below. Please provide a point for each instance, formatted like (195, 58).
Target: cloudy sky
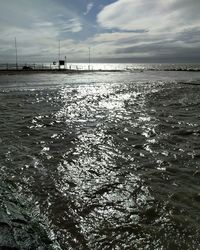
(115, 30)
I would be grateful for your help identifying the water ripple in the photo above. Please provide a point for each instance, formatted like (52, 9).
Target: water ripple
(113, 165)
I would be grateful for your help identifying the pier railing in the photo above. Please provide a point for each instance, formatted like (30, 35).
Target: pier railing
(11, 66)
(39, 66)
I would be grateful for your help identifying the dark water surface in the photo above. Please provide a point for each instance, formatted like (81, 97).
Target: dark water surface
(112, 159)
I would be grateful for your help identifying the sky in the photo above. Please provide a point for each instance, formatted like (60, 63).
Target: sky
(114, 30)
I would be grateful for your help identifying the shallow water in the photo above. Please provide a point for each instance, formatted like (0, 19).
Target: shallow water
(112, 159)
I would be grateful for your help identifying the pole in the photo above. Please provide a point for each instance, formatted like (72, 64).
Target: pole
(65, 62)
(59, 54)
(16, 53)
(59, 51)
(89, 58)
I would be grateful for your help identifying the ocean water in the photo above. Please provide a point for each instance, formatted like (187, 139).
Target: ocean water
(111, 159)
(134, 66)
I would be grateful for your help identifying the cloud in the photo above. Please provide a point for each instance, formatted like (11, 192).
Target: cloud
(36, 27)
(88, 8)
(152, 15)
(72, 25)
(122, 29)
(172, 27)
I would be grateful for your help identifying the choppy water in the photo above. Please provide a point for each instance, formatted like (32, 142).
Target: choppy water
(112, 159)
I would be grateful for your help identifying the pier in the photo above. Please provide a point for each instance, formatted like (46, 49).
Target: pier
(49, 68)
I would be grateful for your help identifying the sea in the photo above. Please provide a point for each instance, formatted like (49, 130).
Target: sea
(110, 159)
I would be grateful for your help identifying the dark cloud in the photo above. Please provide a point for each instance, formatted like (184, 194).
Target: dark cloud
(169, 51)
(189, 35)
